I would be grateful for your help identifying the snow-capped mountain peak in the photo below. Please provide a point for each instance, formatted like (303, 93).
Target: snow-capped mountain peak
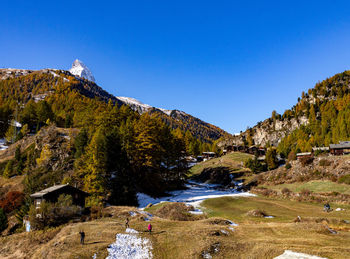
(80, 69)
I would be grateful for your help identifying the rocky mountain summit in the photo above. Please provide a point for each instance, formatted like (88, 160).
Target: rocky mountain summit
(80, 69)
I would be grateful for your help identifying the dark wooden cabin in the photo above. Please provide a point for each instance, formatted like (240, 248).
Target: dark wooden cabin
(52, 193)
(304, 155)
(340, 149)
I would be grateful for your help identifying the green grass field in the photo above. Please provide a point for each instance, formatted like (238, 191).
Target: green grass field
(317, 186)
(234, 161)
(236, 209)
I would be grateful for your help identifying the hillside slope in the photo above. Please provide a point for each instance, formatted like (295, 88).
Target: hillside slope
(320, 117)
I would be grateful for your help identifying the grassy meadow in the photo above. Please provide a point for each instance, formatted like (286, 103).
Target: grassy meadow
(234, 161)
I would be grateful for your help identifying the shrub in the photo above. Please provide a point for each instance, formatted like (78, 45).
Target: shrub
(292, 156)
(288, 166)
(176, 211)
(285, 191)
(344, 179)
(9, 170)
(305, 192)
(96, 212)
(306, 161)
(52, 215)
(325, 162)
(316, 173)
(255, 165)
(13, 200)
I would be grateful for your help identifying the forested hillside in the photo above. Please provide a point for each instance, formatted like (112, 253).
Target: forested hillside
(114, 151)
(320, 117)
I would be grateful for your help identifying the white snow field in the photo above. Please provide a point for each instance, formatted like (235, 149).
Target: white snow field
(288, 254)
(130, 246)
(194, 195)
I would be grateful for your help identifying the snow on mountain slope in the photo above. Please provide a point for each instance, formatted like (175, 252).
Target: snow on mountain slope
(136, 105)
(140, 107)
(80, 69)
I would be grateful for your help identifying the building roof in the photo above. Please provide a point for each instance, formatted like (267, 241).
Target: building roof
(340, 146)
(320, 148)
(304, 154)
(51, 189)
(208, 153)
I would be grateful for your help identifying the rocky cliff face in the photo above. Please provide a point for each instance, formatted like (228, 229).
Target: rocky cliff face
(267, 132)
(272, 132)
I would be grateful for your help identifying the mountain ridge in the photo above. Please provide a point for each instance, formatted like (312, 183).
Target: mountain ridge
(174, 118)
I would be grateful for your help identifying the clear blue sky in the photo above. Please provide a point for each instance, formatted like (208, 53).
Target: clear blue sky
(229, 63)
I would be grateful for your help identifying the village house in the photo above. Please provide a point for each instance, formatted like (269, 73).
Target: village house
(304, 155)
(340, 149)
(208, 155)
(52, 193)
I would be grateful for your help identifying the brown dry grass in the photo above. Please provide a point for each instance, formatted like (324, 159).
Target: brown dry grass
(260, 238)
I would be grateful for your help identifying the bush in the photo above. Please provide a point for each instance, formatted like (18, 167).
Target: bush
(288, 166)
(96, 212)
(306, 161)
(13, 200)
(305, 192)
(285, 191)
(3, 220)
(255, 165)
(176, 211)
(292, 156)
(325, 162)
(52, 215)
(9, 169)
(344, 179)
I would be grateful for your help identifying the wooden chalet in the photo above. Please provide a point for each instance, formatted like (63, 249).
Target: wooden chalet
(340, 149)
(208, 155)
(52, 193)
(305, 154)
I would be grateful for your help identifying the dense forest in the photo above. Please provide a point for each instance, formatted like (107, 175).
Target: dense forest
(116, 151)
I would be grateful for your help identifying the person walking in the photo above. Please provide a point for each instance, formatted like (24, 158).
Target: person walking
(82, 237)
(150, 228)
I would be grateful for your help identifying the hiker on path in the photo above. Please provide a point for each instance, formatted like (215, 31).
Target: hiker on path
(327, 207)
(82, 237)
(127, 223)
(150, 228)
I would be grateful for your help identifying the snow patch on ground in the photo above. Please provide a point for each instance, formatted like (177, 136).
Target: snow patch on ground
(269, 217)
(288, 254)
(196, 212)
(194, 195)
(132, 213)
(130, 246)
